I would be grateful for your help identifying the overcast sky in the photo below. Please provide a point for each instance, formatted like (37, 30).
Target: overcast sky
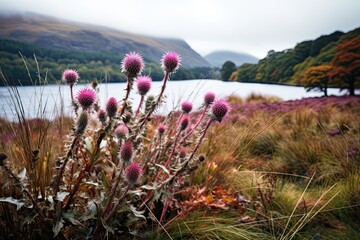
(252, 26)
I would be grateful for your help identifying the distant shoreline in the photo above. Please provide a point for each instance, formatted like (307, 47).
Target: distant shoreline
(177, 80)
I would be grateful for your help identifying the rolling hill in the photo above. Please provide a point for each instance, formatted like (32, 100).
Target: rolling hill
(52, 33)
(218, 58)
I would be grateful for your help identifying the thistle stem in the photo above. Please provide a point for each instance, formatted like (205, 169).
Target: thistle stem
(171, 154)
(62, 169)
(200, 140)
(119, 201)
(166, 206)
(140, 104)
(158, 100)
(128, 89)
(71, 93)
(196, 125)
(113, 191)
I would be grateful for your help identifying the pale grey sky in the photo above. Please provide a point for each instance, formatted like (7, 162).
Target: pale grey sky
(252, 26)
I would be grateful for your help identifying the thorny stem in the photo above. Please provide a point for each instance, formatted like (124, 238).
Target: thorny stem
(140, 104)
(71, 93)
(185, 164)
(113, 191)
(200, 140)
(128, 89)
(171, 154)
(62, 169)
(76, 187)
(196, 125)
(166, 206)
(158, 100)
(118, 202)
(177, 123)
(98, 142)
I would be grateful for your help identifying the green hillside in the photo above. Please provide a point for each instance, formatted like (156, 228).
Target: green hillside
(95, 51)
(101, 66)
(288, 66)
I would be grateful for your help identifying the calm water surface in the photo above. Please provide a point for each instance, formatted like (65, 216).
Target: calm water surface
(51, 97)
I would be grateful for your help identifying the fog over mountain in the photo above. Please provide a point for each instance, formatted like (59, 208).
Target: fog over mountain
(218, 58)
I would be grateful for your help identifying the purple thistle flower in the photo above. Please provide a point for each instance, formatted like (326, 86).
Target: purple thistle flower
(121, 131)
(219, 109)
(170, 62)
(70, 76)
(111, 107)
(186, 106)
(102, 116)
(161, 129)
(133, 172)
(86, 97)
(143, 84)
(132, 64)
(126, 151)
(184, 123)
(209, 98)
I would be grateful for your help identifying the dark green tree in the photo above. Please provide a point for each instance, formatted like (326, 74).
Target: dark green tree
(227, 69)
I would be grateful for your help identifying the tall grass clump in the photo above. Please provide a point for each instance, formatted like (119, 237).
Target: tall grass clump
(120, 170)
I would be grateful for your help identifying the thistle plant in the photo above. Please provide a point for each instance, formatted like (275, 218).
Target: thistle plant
(70, 77)
(119, 167)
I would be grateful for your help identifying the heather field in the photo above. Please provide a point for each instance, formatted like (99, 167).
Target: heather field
(252, 168)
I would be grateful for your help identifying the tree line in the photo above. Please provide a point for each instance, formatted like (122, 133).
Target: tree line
(329, 61)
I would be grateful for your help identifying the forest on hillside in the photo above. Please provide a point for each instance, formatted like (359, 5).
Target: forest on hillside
(340, 51)
(100, 66)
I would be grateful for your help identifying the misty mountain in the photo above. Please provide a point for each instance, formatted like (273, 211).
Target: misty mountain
(218, 58)
(49, 32)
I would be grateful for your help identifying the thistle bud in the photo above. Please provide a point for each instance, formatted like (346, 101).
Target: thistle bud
(184, 123)
(133, 172)
(121, 131)
(102, 116)
(111, 107)
(81, 123)
(126, 151)
(219, 109)
(186, 106)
